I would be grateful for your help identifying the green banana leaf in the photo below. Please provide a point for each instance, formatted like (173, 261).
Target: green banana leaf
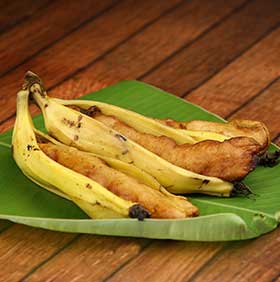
(222, 219)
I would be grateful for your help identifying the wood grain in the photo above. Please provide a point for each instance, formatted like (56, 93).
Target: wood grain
(86, 44)
(242, 79)
(167, 261)
(22, 248)
(48, 25)
(14, 12)
(141, 53)
(198, 62)
(252, 260)
(265, 108)
(177, 49)
(90, 258)
(142, 49)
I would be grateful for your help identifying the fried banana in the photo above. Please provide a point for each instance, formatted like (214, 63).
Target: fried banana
(230, 160)
(234, 128)
(122, 185)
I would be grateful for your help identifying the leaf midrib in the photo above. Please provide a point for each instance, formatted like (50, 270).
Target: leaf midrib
(6, 145)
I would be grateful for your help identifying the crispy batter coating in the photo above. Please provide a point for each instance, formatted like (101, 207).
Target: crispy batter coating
(234, 128)
(230, 160)
(122, 185)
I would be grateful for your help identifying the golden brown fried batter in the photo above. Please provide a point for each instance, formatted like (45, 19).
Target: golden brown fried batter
(235, 128)
(122, 185)
(230, 160)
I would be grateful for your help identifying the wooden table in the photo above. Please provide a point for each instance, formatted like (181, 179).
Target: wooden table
(222, 55)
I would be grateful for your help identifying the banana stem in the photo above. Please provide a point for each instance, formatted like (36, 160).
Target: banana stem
(139, 212)
(241, 189)
(31, 79)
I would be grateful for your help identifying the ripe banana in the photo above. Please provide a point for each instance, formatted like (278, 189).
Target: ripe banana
(234, 128)
(97, 202)
(178, 202)
(199, 135)
(78, 130)
(145, 124)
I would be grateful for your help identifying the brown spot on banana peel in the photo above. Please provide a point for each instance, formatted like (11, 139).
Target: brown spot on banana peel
(80, 117)
(120, 137)
(125, 152)
(29, 147)
(68, 122)
(91, 111)
(204, 182)
(79, 124)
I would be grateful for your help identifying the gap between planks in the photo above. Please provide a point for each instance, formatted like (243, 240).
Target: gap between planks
(250, 100)
(79, 70)
(184, 95)
(23, 17)
(185, 46)
(83, 23)
(50, 257)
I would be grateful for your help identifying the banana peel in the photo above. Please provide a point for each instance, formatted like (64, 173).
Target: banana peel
(78, 130)
(97, 202)
(128, 169)
(145, 124)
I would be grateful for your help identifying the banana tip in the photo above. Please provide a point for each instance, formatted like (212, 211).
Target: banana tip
(139, 212)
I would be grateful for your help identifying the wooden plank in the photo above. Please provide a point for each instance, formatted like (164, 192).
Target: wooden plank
(45, 27)
(14, 12)
(141, 53)
(167, 261)
(90, 258)
(205, 57)
(86, 44)
(142, 49)
(242, 79)
(265, 108)
(7, 124)
(22, 248)
(254, 260)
